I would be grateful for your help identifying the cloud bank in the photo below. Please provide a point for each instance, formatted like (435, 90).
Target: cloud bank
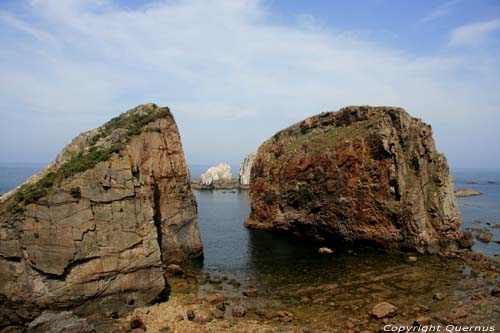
(231, 76)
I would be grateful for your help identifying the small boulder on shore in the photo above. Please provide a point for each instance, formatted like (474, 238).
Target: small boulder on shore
(384, 310)
(325, 250)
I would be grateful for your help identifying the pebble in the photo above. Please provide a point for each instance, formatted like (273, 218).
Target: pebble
(325, 250)
(238, 311)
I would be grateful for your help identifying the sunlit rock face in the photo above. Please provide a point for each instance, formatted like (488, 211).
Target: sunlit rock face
(216, 173)
(361, 174)
(95, 229)
(245, 169)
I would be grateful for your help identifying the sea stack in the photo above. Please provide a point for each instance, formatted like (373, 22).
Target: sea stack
(95, 229)
(245, 169)
(361, 174)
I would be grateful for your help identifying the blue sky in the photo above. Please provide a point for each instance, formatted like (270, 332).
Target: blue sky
(235, 72)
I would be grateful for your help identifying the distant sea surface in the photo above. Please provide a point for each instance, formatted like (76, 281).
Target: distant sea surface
(222, 213)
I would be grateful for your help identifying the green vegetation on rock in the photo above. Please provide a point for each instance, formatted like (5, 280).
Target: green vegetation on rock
(132, 122)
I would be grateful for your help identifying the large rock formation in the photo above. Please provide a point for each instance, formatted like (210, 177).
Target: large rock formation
(216, 173)
(245, 169)
(94, 230)
(360, 174)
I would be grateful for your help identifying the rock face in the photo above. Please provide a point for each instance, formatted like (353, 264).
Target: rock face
(215, 173)
(365, 174)
(245, 169)
(94, 230)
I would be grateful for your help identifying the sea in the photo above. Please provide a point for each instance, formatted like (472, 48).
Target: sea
(230, 247)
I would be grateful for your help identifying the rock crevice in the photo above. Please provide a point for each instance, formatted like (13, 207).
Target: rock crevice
(93, 230)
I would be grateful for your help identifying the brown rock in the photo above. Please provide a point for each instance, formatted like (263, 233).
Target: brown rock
(496, 292)
(99, 223)
(174, 269)
(360, 174)
(284, 316)
(217, 314)
(215, 298)
(238, 311)
(252, 292)
(422, 321)
(438, 296)
(190, 315)
(325, 250)
(384, 310)
(136, 322)
(457, 313)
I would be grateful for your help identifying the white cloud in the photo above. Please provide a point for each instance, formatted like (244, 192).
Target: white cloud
(474, 34)
(221, 62)
(440, 11)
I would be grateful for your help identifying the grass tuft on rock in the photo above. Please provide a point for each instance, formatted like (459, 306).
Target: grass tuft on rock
(133, 122)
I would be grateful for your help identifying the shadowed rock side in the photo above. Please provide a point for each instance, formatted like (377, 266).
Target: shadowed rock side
(96, 227)
(360, 174)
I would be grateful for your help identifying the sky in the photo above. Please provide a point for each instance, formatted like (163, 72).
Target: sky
(234, 72)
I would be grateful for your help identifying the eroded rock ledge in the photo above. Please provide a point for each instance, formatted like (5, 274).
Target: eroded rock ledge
(362, 174)
(94, 230)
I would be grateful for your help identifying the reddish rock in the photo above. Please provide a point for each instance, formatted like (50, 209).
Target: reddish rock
(363, 173)
(384, 310)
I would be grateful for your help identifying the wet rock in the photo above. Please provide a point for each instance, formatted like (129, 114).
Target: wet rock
(383, 310)
(352, 174)
(252, 292)
(174, 269)
(238, 311)
(217, 314)
(217, 279)
(325, 250)
(61, 322)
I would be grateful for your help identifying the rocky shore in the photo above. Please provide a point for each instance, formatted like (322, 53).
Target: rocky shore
(462, 290)
(226, 184)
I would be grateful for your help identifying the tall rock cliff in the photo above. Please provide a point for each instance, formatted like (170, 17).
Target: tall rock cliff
(94, 230)
(245, 169)
(364, 174)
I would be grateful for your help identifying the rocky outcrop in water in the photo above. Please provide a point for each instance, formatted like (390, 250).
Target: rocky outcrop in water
(245, 169)
(94, 230)
(362, 174)
(216, 173)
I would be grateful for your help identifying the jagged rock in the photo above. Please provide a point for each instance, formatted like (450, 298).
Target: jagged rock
(245, 169)
(61, 322)
(369, 174)
(94, 229)
(215, 173)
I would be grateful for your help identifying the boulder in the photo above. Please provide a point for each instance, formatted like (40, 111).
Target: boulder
(361, 174)
(245, 169)
(215, 173)
(384, 310)
(325, 250)
(93, 230)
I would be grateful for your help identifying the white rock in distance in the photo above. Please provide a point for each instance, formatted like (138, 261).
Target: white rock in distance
(219, 172)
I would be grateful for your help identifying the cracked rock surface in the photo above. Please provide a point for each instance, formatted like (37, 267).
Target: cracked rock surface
(99, 240)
